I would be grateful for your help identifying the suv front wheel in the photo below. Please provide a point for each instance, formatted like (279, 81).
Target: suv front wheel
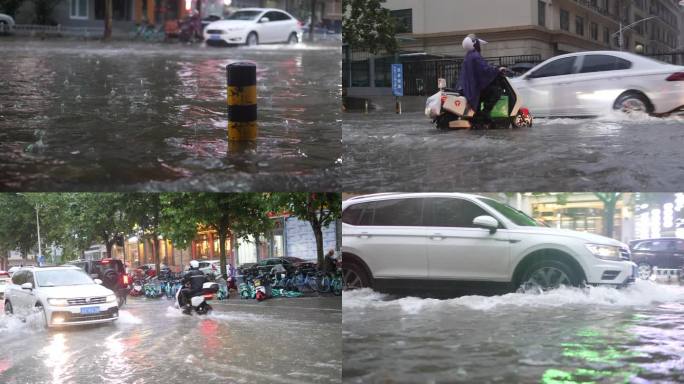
(355, 277)
(549, 274)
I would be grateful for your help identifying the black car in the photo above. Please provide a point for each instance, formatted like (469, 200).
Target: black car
(112, 273)
(665, 252)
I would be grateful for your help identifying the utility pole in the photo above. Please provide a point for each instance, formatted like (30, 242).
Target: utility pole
(40, 251)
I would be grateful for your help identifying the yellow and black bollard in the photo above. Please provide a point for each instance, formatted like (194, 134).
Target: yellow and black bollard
(242, 101)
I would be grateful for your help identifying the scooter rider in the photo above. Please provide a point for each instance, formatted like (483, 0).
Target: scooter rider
(195, 278)
(478, 80)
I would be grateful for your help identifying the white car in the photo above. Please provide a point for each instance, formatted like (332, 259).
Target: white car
(252, 26)
(6, 24)
(594, 83)
(446, 244)
(64, 295)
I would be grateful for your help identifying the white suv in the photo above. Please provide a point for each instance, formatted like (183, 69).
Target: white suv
(64, 295)
(446, 244)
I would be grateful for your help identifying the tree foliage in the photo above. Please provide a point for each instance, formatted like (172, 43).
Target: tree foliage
(10, 7)
(367, 25)
(230, 214)
(320, 209)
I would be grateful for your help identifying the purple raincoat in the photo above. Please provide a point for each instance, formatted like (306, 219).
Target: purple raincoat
(476, 75)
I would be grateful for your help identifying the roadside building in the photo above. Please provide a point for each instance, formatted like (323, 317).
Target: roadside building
(517, 31)
(289, 237)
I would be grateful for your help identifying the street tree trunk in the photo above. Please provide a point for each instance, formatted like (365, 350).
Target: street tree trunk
(223, 234)
(318, 233)
(609, 202)
(313, 20)
(108, 20)
(155, 251)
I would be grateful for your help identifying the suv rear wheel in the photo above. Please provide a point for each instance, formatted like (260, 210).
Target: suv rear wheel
(550, 274)
(355, 277)
(8, 308)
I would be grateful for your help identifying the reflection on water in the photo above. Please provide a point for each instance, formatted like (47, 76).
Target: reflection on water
(82, 115)
(566, 336)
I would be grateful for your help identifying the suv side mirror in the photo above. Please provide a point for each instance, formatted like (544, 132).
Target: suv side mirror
(98, 281)
(264, 20)
(28, 286)
(486, 222)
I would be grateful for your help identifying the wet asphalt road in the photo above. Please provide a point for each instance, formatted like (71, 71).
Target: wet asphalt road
(388, 152)
(85, 115)
(603, 335)
(294, 340)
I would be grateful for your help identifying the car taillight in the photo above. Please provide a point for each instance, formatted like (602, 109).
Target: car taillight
(677, 76)
(104, 261)
(125, 279)
(208, 296)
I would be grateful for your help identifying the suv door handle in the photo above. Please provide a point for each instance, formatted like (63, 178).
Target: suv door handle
(364, 235)
(437, 236)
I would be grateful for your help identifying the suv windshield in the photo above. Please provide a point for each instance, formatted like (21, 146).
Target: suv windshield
(512, 214)
(56, 278)
(244, 15)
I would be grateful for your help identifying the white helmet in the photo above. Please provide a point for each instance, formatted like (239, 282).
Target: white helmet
(469, 42)
(194, 264)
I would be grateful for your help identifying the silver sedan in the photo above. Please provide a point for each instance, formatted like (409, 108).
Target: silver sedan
(595, 82)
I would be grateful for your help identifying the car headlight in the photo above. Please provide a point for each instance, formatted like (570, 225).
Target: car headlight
(58, 302)
(606, 252)
(111, 298)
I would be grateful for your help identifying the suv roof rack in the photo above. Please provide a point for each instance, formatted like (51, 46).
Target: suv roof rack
(374, 195)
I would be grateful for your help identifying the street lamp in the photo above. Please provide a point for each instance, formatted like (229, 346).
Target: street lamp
(621, 39)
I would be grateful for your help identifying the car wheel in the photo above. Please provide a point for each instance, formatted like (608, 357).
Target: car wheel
(633, 102)
(4, 28)
(292, 40)
(252, 39)
(355, 277)
(550, 274)
(644, 271)
(8, 308)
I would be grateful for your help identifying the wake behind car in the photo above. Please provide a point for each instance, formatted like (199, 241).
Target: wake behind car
(64, 295)
(447, 244)
(594, 83)
(253, 26)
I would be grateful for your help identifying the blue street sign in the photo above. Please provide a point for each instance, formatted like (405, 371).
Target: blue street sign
(398, 79)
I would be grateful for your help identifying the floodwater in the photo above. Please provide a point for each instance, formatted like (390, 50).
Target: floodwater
(85, 115)
(568, 335)
(288, 341)
(387, 152)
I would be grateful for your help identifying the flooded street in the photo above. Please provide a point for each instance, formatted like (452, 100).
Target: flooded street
(602, 335)
(388, 152)
(84, 115)
(276, 341)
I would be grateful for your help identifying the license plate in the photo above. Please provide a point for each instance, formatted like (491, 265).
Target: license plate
(90, 310)
(214, 37)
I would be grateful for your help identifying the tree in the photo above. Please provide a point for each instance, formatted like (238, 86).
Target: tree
(367, 25)
(43, 10)
(144, 210)
(10, 7)
(609, 200)
(313, 18)
(320, 209)
(17, 223)
(237, 214)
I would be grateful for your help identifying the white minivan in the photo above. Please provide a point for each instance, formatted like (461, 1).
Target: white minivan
(447, 244)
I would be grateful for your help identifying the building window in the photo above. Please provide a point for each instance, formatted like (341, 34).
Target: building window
(564, 20)
(403, 20)
(542, 13)
(579, 25)
(78, 9)
(594, 31)
(606, 35)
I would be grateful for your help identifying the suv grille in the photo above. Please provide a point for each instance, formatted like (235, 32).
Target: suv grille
(85, 301)
(624, 254)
